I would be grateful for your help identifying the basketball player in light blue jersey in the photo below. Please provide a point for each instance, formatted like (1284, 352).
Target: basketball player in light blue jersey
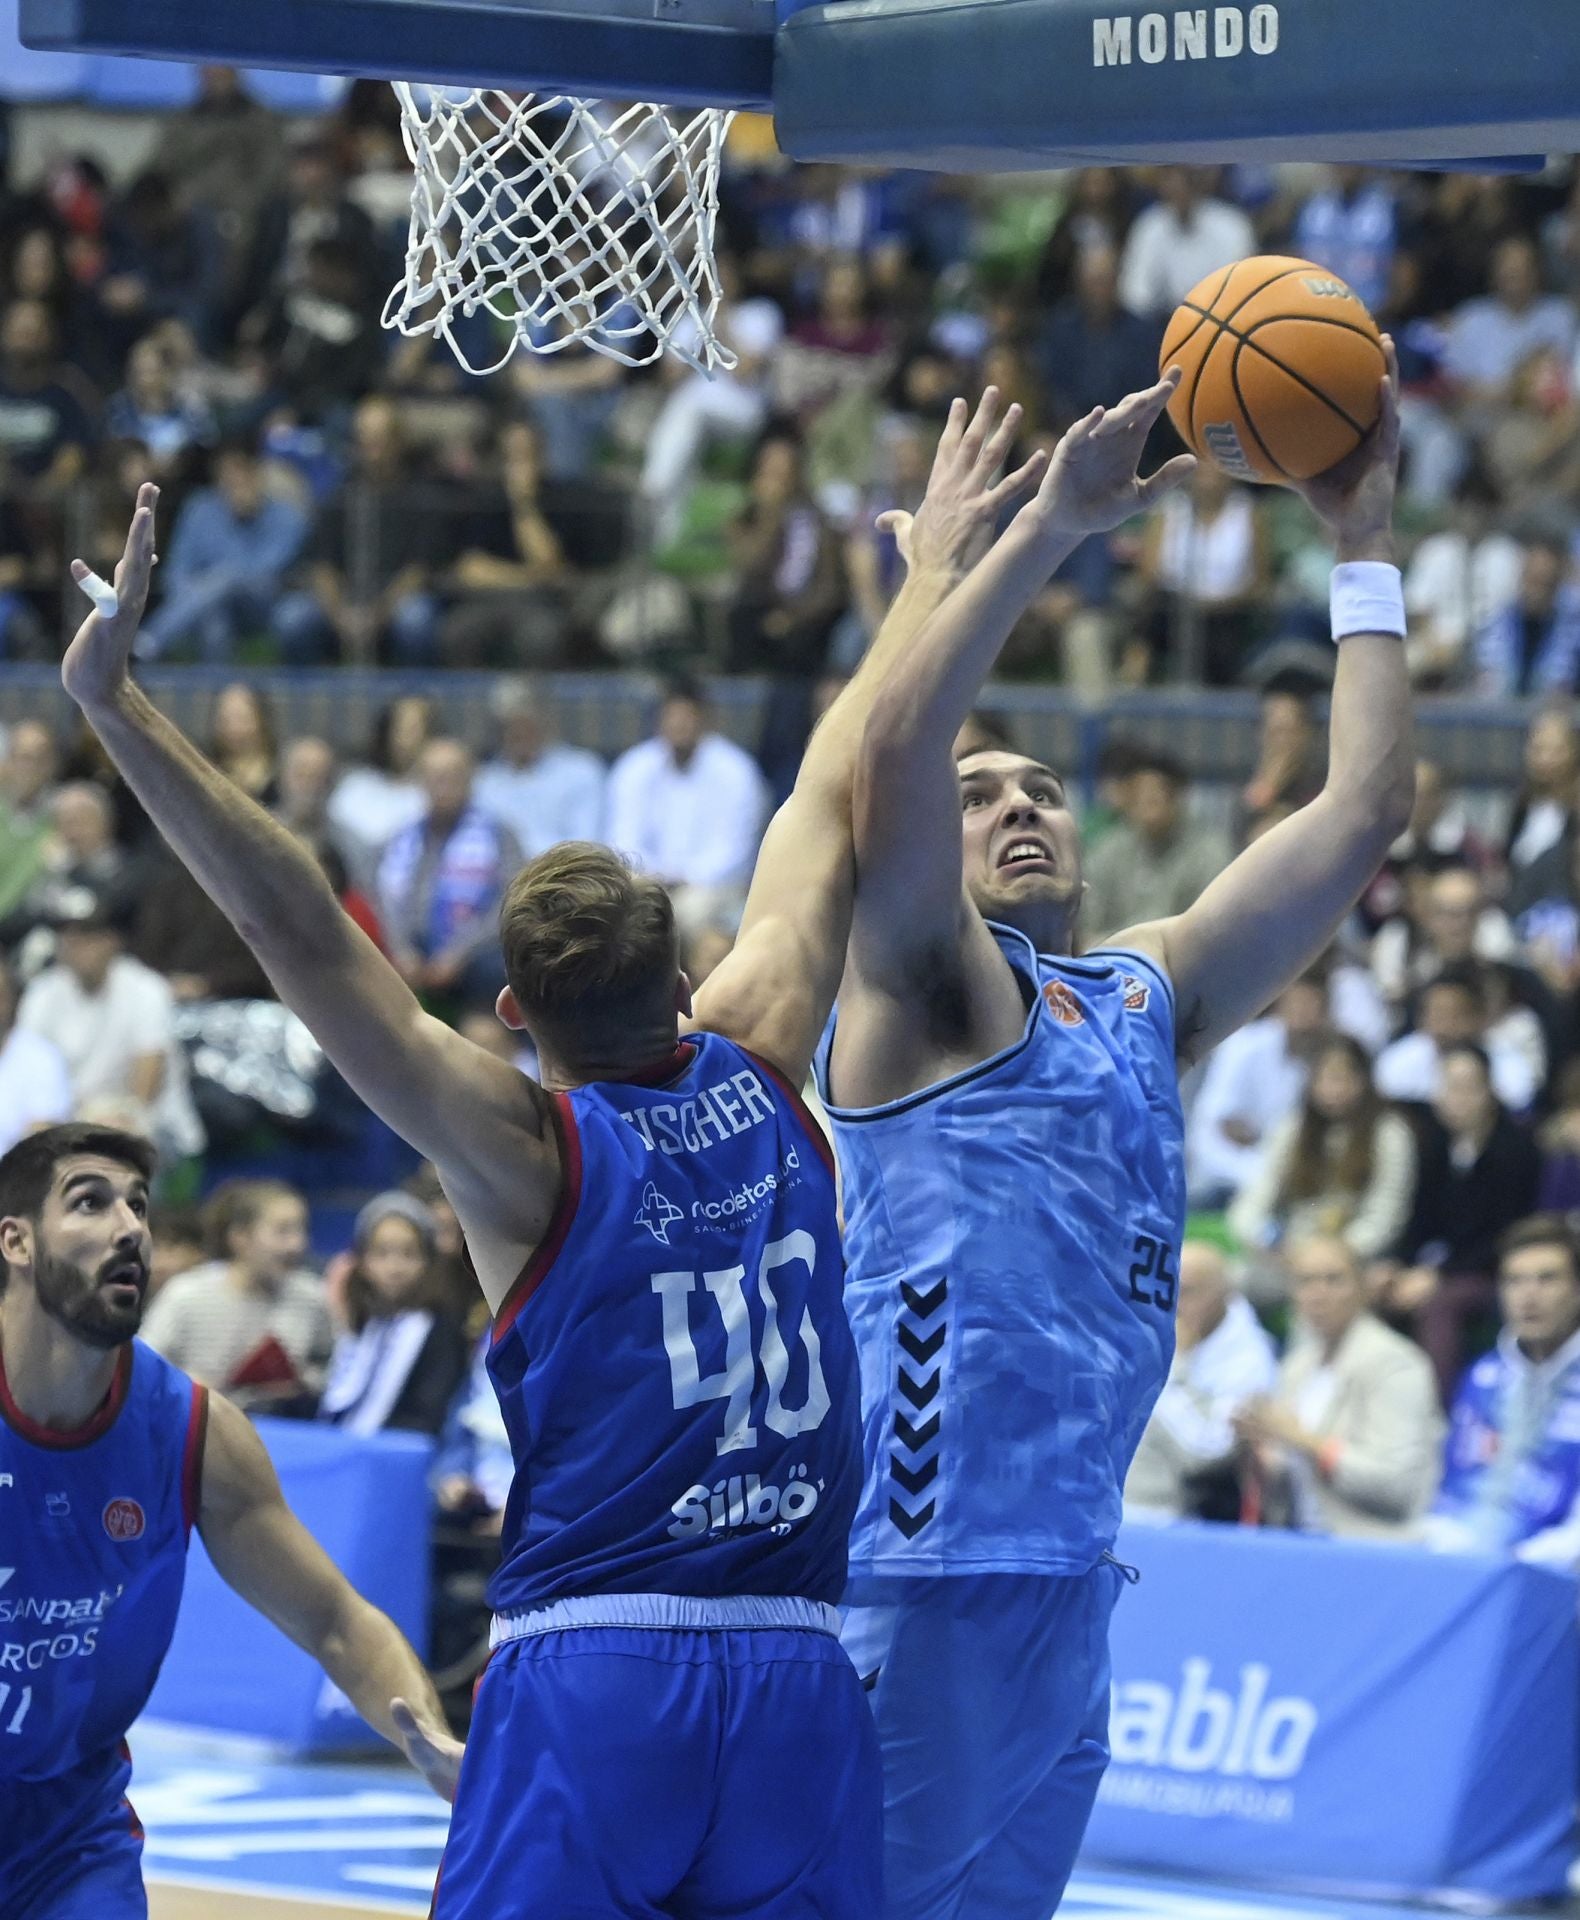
(668, 1724)
(1008, 1126)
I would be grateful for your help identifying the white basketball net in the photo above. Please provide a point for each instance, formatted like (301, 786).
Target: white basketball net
(574, 222)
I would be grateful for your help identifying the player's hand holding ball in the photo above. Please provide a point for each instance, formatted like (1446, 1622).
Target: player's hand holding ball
(98, 659)
(1285, 380)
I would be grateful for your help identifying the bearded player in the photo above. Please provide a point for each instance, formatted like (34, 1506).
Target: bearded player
(109, 1457)
(668, 1723)
(1008, 1125)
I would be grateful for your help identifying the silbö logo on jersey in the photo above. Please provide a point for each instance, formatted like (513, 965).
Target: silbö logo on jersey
(742, 1502)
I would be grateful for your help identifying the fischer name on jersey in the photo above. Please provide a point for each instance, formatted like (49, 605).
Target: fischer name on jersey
(94, 1527)
(674, 1366)
(1012, 1235)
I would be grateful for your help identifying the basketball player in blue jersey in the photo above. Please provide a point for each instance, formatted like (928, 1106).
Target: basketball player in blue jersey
(1009, 1133)
(108, 1458)
(669, 1724)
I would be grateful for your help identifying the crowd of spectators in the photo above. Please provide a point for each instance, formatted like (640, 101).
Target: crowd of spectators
(206, 311)
(1379, 1304)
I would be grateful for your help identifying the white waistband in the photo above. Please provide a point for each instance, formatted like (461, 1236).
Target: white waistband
(675, 1612)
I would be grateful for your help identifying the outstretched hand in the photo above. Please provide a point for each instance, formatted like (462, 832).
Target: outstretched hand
(1092, 482)
(1354, 500)
(431, 1748)
(96, 662)
(953, 527)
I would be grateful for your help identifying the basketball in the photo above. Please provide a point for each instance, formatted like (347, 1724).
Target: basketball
(1281, 365)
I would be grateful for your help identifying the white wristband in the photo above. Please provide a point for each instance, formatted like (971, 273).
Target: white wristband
(1366, 596)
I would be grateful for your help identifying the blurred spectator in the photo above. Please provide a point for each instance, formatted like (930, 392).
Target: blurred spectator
(1453, 1011)
(1186, 1466)
(1348, 1444)
(1157, 861)
(27, 777)
(320, 340)
(243, 742)
(160, 263)
(791, 577)
(1560, 1144)
(1511, 1471)
(1454, 583)
(1092, 347)
(440, 883)
(403, 1353)
(698, 409)
(35, 1087)
(1479, 1172)
(510, 575)
(223, 153)
(1547, 805)
(689, 807)
(1341, 1166)
(1179, 240)
(1489, 338)
(1095, 217)
(81, 851)
(370, 559)
(45, 428)
(307, 782)
(112, 1020)
(253, 1320)
(373, 801)
(1253, 1081)
(157, 412)
(179, 1245)
(1205, 568)
(311, 209)
(542, 789)
(473, 1467)
(1531, 644)
(233, 545)
(1351, 228)
(1452, 925)
(1438, 838)
(1291, 756)
(178, 929)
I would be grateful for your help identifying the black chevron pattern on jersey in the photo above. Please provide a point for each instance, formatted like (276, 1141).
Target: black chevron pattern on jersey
(921, 1331)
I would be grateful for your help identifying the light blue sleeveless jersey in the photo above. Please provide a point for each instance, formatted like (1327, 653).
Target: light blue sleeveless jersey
(674, 1367)
(1011, 1237)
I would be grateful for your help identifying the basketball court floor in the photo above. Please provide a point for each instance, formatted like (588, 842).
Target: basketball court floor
(237, 1835)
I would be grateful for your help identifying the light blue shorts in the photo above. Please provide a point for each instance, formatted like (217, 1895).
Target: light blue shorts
(991, 1698)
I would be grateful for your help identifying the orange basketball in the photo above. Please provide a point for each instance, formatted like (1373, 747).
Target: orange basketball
(1281, 367)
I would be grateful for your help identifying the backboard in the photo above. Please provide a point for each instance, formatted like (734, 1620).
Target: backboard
(949, 84)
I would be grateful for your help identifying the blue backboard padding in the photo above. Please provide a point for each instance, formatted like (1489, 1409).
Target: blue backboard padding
(1001, 84)
(456, 42)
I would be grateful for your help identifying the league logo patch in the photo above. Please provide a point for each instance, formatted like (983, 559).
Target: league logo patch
(656, 1213)
(1063, 1005)
(1137, 994)
(124, 1520)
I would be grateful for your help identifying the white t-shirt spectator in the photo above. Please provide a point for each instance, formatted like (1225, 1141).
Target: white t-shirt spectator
(1163, 258)
(698, 825)
(1254, 1079)
(1411, 1068)
(1488, 341)
(371, 807)
(101, 1035)
(560, 796)
(1453, 587)
(35, 1088)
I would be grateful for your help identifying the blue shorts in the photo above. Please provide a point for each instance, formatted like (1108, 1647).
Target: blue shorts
(71, 1848)
(991, 1698)
(680, 1772)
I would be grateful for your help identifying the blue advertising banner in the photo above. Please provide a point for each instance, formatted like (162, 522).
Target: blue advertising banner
(366, 1503)
(1349, 1716)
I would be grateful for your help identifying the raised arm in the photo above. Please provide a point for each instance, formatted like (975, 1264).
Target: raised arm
(260, 1548)
(774, 992)
(911, 913)
(1263, 921)
(476, 1118)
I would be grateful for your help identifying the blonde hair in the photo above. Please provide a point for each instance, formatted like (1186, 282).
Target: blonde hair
(589, 947)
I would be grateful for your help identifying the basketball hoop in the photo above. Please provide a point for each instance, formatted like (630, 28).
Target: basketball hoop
(572, 222)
